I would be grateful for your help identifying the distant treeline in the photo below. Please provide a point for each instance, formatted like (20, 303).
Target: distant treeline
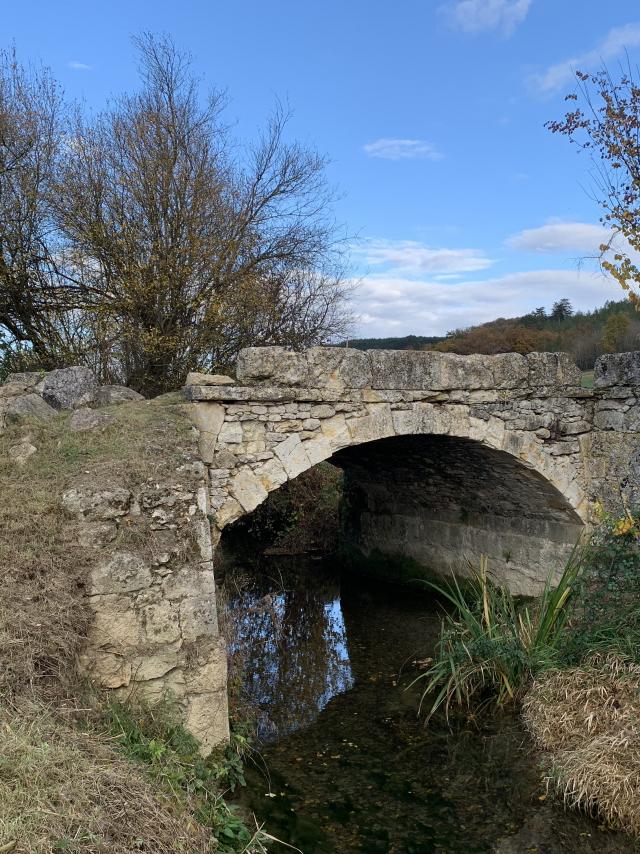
(409, 342)
(615, 327)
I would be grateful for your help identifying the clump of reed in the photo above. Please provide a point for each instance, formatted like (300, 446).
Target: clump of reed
(491, 645)
(588, 719)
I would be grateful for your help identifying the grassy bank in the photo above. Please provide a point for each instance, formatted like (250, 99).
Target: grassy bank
(570, 660)
(76, 772)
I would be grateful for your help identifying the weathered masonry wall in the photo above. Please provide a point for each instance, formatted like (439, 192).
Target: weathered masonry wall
(452, 456)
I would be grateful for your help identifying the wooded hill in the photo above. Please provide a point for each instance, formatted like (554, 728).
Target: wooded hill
(615, 327)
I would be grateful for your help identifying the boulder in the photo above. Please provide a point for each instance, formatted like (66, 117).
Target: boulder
(27, 380)
(107, 395)
(70, 388)
(28, 406)
(21, 452)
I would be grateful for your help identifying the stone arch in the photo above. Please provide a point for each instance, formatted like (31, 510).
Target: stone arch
(252, 483)
(551, 535)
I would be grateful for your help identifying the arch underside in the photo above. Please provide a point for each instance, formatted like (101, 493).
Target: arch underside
(445, 501)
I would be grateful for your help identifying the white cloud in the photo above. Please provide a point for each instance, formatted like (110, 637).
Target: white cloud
(396, 305)
(409, 257)
(479, 16)
(402, 149)
(79, 66)
(561, 75)
(561, 237)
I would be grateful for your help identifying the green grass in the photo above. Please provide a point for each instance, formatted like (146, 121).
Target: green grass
(493, 645)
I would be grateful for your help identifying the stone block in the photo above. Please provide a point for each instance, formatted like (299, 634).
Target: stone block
(106, 669)
(228, 513)
(322, 410)
(317, 449)
(334, 368)
(377, 424)
(271, 474)
(155, 665)
(336, 431)
(230, 433)
(247, 489)
(617, 369)
(414, 370)
(121, 572)
(207, 719)
(208, 379)
(292, 455)
(189, 581)
(404, 421)
(117, 625)
(162, 622)
(548, 370)
(198, 618)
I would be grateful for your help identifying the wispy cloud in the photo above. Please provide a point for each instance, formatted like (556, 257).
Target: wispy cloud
(482, 16)
(402, 149)
(557, 237)
(409, 257)
(396, 305)
(79, 66)
(561, 75)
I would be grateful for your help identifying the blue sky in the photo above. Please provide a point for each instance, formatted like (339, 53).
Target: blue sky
(431, 112)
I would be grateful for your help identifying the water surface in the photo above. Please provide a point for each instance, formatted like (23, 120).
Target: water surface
(350, 767)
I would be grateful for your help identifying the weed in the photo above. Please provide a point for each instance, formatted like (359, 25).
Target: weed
(154, 737)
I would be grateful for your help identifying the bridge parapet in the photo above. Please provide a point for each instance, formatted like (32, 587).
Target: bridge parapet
(341, 369)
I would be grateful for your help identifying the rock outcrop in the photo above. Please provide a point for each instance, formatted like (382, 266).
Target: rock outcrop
(39, 396)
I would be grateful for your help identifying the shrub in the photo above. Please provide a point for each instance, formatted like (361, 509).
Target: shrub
(605, 616)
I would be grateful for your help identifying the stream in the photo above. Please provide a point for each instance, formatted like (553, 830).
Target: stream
(345, 763)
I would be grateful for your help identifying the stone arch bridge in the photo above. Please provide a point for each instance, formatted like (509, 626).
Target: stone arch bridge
(448, 457)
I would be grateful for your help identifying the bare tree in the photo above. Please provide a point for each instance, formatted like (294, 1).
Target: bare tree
(36, 291)
(186, 254)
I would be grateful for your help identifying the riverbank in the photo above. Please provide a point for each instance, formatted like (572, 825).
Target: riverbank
(570, 659)
(79, 773)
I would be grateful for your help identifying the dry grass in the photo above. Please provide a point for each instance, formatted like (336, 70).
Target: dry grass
(62, 789)
(588, 718)
(42, 565)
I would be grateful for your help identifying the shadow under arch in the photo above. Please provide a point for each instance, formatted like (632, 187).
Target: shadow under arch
(445, 501)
